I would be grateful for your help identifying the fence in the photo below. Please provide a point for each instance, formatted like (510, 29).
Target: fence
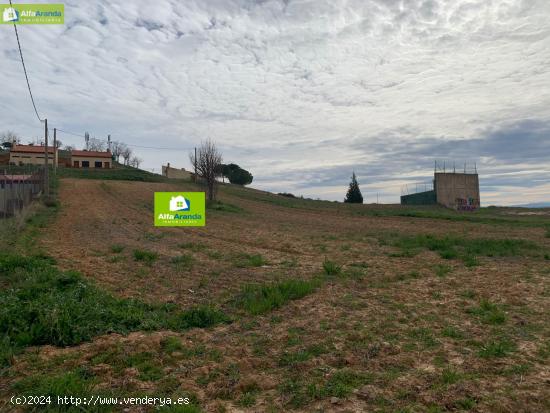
(19, 186)
(414, 188)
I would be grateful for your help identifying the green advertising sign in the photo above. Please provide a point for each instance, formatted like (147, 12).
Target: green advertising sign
(32, 14)
(180, 209)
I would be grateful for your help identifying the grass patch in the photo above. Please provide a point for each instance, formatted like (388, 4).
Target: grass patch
(496, 348)
(223, 207)
(117, 248)
(145, 256)
(488, 312)
(249, 260)
(193, 246)
(183, 261)
(259, 299)
(43, 305)
(442, 270)
(466, 249)
(121, 173)
(331, 268)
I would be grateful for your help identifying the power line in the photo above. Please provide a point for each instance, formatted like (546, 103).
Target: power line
(127, 144)
(25, 68)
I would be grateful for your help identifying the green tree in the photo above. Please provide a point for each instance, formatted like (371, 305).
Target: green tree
(240, 177)
(354, 195)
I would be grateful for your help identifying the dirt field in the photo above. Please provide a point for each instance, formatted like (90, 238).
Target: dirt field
(389, 328)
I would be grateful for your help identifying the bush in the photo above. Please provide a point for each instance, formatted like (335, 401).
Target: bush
(331, 268)
(146, 256)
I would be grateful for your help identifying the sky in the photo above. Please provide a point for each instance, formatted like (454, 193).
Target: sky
(301, 92)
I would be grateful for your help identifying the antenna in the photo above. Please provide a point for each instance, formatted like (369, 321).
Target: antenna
(109, 142)
(87, 139)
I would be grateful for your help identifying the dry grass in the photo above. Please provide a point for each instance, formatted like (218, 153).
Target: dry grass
(382, 330)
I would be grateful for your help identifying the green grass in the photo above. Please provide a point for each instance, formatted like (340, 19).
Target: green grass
(488, 312)
(121, 173)
(442, 270)
(249, 260)
(496, 348)
(466, 249)
(259, 299)
(222, 206)
(42, 305)
(183, 261)
(193, 246)
(331, 268)
(145, 256)
(117, 248)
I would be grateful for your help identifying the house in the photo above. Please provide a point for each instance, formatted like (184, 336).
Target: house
(31, 155)
(179, 203)
(91, 159)
(175, 173)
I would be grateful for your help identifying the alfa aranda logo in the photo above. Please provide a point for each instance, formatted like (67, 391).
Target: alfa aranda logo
(175, 209)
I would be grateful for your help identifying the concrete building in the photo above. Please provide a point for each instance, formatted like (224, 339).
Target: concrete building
(175, 173)
(456, 190)
(31, 155)
(91, 159)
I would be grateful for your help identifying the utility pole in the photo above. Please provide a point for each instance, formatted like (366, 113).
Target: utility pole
(195, 164)
(46, 177)
(109, 142)
(54, 151)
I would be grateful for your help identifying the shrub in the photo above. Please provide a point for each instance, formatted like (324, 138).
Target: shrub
(146, 256)
(331, 268)
(117, 248)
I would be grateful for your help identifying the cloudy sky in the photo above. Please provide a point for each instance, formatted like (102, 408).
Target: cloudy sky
(301, 92)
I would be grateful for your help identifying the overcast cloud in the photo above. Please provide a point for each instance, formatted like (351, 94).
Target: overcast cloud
(302, 92)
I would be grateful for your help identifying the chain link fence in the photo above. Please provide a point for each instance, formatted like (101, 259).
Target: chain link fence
(19, 186)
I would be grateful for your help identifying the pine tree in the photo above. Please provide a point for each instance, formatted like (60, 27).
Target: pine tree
(354, 195)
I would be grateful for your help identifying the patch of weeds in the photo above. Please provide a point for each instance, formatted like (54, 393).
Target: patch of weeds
(547, 256)
(247, 260)
(452, 332)
(77, 383)
(183, 261)
(289, 358)
(359, 265)
(442, 270)
(488, 312)
(193, 246)
(215, 255)
(331, 268)
(199, 317)
(171, 344)
(259, 299)
(450, 376)
(345, 247)
(294, 393)
(466, 403)
(342, 382)
(180, 408)
(248, 397)
(223, 207)
(290, 263)
(425, 336)
(496, 348)
(145, 256)
(544, 350)
(467, 249)
(147, 366)
(117, 248)
(116, 258)
(468, 294)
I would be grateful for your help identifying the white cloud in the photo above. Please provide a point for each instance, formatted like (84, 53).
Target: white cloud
(287, 86)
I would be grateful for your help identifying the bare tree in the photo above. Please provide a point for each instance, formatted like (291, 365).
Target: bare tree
(135, 161)
(9, 137)
(95, 144)
(126, 155)
(208, 161)
(117, 148)
(68, 148)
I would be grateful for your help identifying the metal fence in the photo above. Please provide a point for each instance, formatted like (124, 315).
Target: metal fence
(416, 187)
(19, 186)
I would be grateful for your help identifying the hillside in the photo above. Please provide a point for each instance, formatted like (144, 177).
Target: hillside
(283, 304)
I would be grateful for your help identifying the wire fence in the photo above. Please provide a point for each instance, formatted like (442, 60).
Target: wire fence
(19, 186)
(417, 187)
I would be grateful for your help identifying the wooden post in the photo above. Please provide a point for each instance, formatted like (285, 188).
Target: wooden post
(54, 151)
(46, 176)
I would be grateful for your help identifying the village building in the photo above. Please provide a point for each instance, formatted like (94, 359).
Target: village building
(91, 159)
(31, 155)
